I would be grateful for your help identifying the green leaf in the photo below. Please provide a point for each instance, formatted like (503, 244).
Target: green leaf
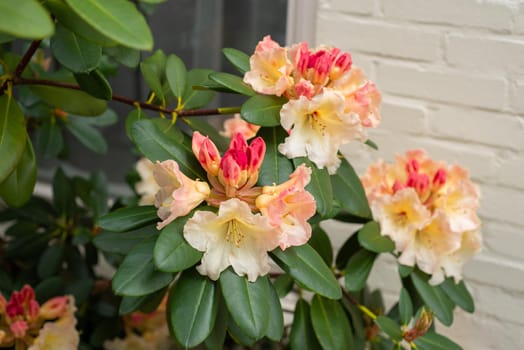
(172, 253)
(322, 244)
(192, 308)
(49, 141)
(63, 194)
(122, 243)
(275, 168)
(370, 238)
(331, 324)
(238, 59)
(208, 129)
(232, 82)
(263, 110)
(239, 336)
(193, 98)
(302, 335)
(358, 269)
(216, 339)
(434, 341)
(119, 20)
(125, 219)
(349, 192)
(12, 135)
(124, 55)
(306, 266)
(275, 329)
(25, 19)
(319, 187)
(50, 261)
(390, 327)
(371, 144)
(405, 306)
(49, 288)
(137, 275)
(95, 84)
(350, 247)
(87, 135)
(152, 78)
(404, 271)
(132, 117)
(71, 101)
(247, 302)
(98, 196)
(145, 303)
(156, 144)
(18, 187)
(283, 285)
(459, 294)
(434, 298)
(74, 52)
(176, 75)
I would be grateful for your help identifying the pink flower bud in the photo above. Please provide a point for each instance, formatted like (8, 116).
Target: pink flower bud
(397, 186)
(238, 143)
(439, 178)
(54, 308)
(230, 166)
(255, 154)
(206, 153)
(19, 328)
(412, 166)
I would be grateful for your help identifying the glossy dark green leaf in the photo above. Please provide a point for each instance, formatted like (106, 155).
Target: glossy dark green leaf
(119, 20)
(144, 303)
(18, 187)
(132, 117)
(98, 196)
(87, 135)
(238, 335)
(232, 82)
(137, 275)
(49, 141)
(215, 341)
(172, 252)
(322, 244)
(124, 55)
(404, 271)
(12, 135)
(63, 195)
(459, 294)
(350, 247)
(319, 186)
(275, 168)
(405, 306)
(370, 238)
(95, 84)
(156, 144)
(176, 75)
(208, 129)
(194, 98)
(74, 52)
(434, 341)
(123, 242)
(49, 288)
(283, 285)
(247, 302)
(331, 324)
(358, 269)
(25, 19)
(192, 308)
(5, 38)
(306, 266)
(434, 298)
(302, 335)
(237, 58)
(349, 192)
(275, 329)
(263, 110)
(390, 327)
(71, 101)
(128, 218)
(107, 118)
(50, 261)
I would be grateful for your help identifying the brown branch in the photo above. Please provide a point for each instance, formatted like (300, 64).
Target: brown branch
(24, 61)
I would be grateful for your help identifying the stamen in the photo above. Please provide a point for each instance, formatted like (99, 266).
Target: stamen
(234, 234)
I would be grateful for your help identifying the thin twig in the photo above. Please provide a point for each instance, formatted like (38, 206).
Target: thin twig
(24, 61)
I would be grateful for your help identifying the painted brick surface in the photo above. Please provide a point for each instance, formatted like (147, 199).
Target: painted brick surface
(452, 77)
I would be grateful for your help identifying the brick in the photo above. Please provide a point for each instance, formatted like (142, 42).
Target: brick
(504, 240)
(502, 204)
(511, 170)
(499, 303)
(378, 37)
(495, 273)
(358, 7)
(403, 117)
(366, 62)
(463, 13)
(484, 54)
(484, 127)
(517, 97)
(519, 20)
(445, 86)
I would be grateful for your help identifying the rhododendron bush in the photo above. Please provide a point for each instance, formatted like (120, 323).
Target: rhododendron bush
(224, 229)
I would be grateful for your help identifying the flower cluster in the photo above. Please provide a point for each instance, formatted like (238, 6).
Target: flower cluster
(26, 324)
(429, 210)
(251, 220)
(330, 100)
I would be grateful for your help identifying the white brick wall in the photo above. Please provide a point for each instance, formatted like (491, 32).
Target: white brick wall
(452, 77)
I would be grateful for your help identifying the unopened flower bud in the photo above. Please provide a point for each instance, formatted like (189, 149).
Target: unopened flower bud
(421, 326)
(54, 308)
(19, 328)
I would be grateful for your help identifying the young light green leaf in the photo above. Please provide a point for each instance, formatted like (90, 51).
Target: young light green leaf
(434, 341)
(307, 268)
(12, 135)
(95, 84)
(194, 98)
(319, 186)
(176, 75)
(370, 238)
(232, 82)
(119, 20)
(237, 58)
(132, 117)
(349, 192)
(74, 52)
(192, 308)
(263, 110)
(137, 276)
(390, 327)
(275, 329)
(18, 187)
(247, 302)
(405, 306)
(275, 168)
(459, 294)
(25, 19)
(331, 324)
(128, 218)
(87, 135)
(434, 298)
(302, 335)
(172, 252)
(358, 269)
